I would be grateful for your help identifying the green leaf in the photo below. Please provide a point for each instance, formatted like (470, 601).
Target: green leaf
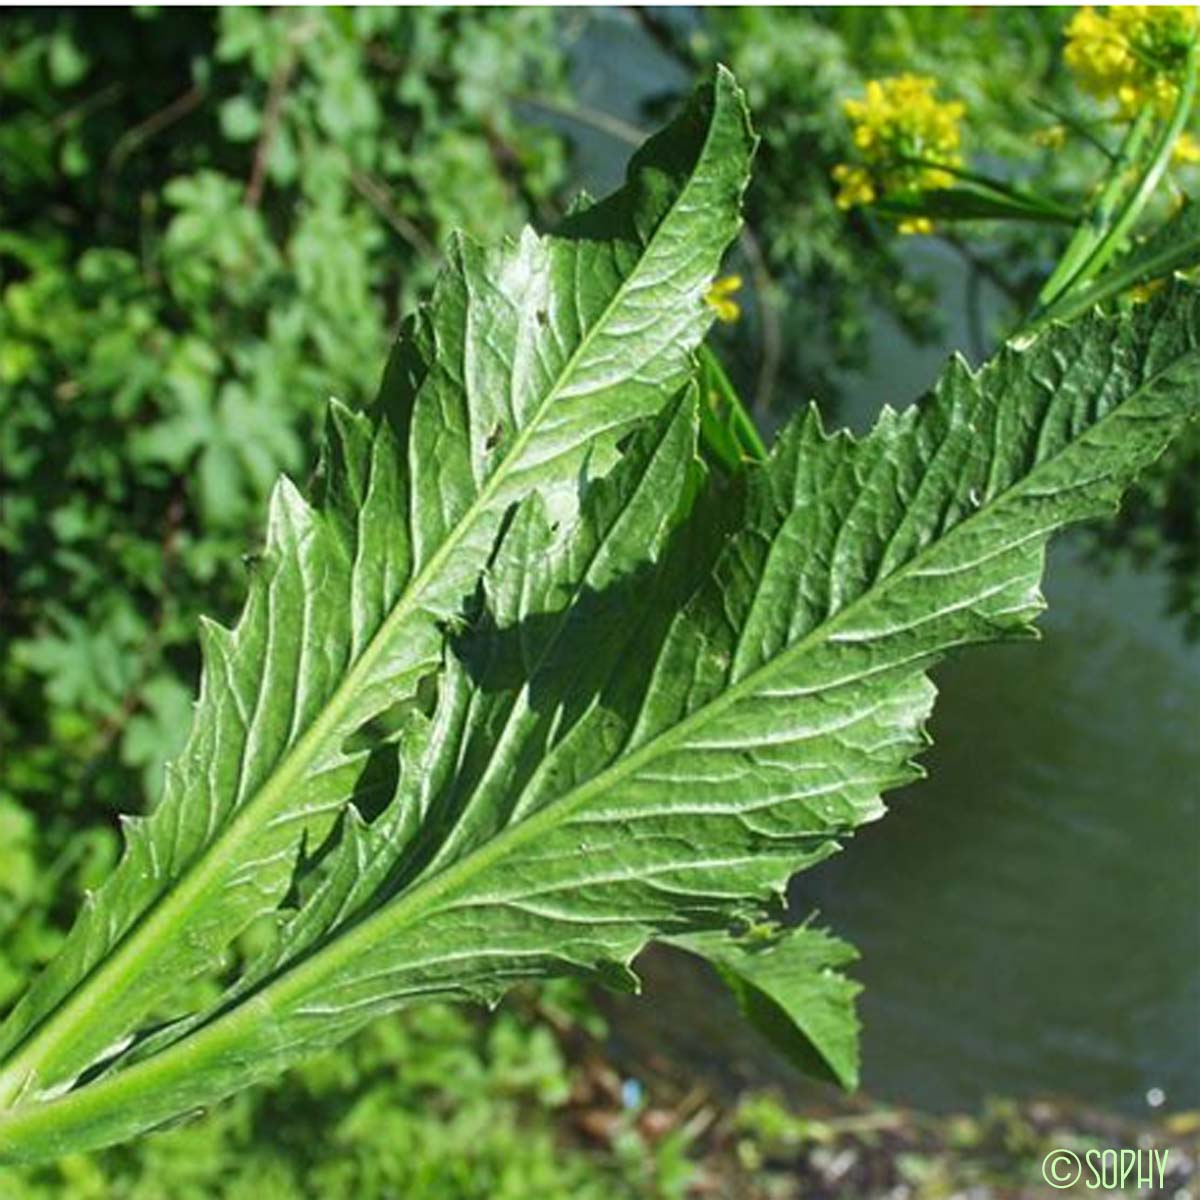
(970, 201)
(68, 64)
(788, 984)
(522, 372)
(652, 722)
(240, 120)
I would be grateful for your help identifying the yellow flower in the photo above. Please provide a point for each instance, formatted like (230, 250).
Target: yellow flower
(856, 186)
(1132, 53)
(1186, 150)
(899, 120)
(719, 298)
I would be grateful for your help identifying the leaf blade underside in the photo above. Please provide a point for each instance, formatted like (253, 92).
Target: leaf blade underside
(522, 372)
(652, 727)
(789, 985)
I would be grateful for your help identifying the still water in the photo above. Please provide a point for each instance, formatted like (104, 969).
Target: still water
(1029, 915)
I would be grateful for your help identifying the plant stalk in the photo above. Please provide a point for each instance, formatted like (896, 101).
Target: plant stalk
(1094, 225)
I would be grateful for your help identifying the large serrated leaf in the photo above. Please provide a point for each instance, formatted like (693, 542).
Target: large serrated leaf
(652, 725)
(527, 365)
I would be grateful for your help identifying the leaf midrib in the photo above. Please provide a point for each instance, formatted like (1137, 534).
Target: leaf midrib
(190, 889)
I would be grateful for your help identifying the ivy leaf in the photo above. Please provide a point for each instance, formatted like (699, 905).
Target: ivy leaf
(522, 372)
(653, 722)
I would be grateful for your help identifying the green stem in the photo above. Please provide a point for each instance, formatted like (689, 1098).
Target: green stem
(1113, 239)
(1184, 253)
(1094, 225)
(739, 423)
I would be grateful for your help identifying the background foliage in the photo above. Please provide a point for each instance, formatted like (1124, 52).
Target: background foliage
(212, 220)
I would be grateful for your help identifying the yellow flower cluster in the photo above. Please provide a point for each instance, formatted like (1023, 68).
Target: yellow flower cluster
(1131, 53)
(719, 298)
(900, 119)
